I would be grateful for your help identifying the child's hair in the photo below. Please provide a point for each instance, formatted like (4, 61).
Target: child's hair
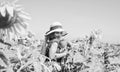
(50, 37)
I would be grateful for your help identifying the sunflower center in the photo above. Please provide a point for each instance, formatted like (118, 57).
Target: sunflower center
(5, 22)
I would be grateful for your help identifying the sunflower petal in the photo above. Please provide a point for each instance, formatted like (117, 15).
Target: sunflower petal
(15, 31)
(18, 26)
(14, 1)
(25, 17)
(0, 35)
(5, 31)
(2, 10)
(12, 33)
(26, 23)
(2, 31)
(19, 9)
(18, 29)
(10, 29)
(10, 10)
(8, 34)
(20, 20)
(25, 13)
(23, 25)
(11, 36)
(18, 6)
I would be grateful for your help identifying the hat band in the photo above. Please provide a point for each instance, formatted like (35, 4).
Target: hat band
(55, 27)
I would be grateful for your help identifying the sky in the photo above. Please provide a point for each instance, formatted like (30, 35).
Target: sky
(78, 17)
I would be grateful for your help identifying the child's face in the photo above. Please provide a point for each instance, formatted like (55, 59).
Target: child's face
(58, 34)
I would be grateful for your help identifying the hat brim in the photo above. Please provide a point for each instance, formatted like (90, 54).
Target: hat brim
(57, 30)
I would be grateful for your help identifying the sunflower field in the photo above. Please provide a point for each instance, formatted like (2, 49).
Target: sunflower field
(26, 56)
(24, 53)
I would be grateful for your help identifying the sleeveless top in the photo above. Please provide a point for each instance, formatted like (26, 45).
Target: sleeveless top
(59, 48)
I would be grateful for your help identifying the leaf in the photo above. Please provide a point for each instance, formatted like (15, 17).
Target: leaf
(37, 66)
(4, 58)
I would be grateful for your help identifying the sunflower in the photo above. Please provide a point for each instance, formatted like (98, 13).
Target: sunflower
(12, 20)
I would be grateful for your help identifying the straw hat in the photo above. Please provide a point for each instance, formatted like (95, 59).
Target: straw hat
(56, 27)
